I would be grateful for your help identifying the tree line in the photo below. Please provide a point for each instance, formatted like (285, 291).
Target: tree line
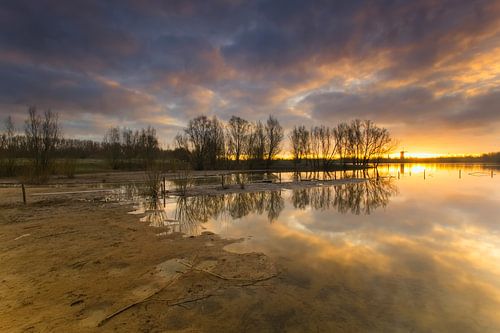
(42, 134)
(33, 151)
(239, 143)
(359, 142)
(205, 143)
(127, 148)
(211, 144)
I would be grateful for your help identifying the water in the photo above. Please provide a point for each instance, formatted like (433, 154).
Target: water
(417, 249)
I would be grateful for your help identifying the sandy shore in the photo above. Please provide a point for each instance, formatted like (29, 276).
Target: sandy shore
(72, 263)
(67, 265)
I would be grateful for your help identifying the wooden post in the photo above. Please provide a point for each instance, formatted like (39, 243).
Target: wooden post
(164, 189)
(24, 193)
(398, 175)
(222, 180)
(459, 174)
(424, 173)
(280, 177)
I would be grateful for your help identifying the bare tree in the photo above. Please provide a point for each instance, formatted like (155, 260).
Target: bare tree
(238, 135)
(362, 142)
(129, 142)
(355, 140)
(377, 142)
(42, 136)
(328, 145)
(113, 146)
(257, 144)
(148, 146)
(341, 135)
(295, 145)
(300, 143)
(315, 146)
(206, 142)
(274, 137)
(197, 134)
(8, 147)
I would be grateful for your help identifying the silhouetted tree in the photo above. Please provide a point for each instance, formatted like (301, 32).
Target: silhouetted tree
(300, 143)
(205, 139)
(274, 137)
(341, 135)
(238, 135)
(257, 144)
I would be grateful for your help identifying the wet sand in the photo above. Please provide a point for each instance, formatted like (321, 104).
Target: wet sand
(69, 264)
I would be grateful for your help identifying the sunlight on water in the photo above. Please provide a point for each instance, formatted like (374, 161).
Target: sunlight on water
(416, 248)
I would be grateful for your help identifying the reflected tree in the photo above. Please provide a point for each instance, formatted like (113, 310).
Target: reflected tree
(356, 198)
(274, 205)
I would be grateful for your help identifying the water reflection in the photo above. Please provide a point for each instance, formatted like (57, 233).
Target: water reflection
(428, 262)
(355, 198)
(188, 214)
(192, 211)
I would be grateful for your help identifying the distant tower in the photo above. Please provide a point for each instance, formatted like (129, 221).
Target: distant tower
(402, 155)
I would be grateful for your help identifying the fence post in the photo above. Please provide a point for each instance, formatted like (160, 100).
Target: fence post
(24, 193)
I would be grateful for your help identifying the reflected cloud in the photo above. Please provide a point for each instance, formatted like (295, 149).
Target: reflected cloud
(368, 254)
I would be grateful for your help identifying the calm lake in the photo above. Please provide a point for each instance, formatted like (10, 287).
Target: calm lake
(416, 249)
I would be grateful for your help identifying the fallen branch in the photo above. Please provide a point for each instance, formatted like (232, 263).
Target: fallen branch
(182, 301)
(250, 281)
(131, 305)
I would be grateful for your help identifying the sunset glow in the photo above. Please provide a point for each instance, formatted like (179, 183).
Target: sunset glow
(428, 71)
(250, 166)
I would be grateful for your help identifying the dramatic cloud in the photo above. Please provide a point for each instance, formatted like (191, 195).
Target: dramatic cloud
(421, 68)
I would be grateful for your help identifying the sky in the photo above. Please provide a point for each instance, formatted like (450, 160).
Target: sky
(427, 70)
